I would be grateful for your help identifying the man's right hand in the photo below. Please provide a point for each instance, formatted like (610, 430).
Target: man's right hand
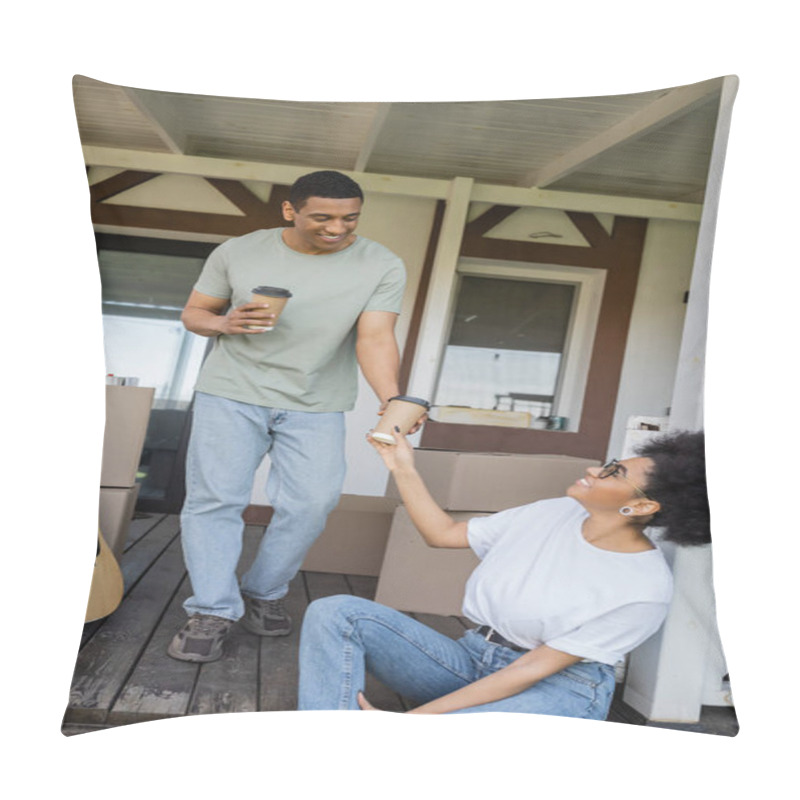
(204, 315)
(248, 318)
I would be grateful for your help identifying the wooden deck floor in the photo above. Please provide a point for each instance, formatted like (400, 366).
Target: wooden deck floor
(123, 674)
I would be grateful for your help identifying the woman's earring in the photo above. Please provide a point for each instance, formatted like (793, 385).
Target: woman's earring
(626, 511)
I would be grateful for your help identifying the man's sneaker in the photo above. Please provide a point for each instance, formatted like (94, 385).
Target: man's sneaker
(266, 617)
(200, 639)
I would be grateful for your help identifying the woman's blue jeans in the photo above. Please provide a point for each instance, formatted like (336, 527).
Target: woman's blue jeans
(344, 636)
(228, 443)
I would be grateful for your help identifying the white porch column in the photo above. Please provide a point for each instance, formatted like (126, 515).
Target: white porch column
(669, 676)
(435, 323)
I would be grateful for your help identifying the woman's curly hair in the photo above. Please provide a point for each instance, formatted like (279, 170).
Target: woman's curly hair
(678, 482)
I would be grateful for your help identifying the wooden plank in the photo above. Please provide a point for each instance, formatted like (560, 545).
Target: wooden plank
(141, 525)
(278, 668)
(162, 687)
(230, 684)
(159, 687)
(104, 664)
(89, 630)
(70, 729)
(137, 559)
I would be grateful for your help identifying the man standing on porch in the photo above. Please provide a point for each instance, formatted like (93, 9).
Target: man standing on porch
(281, 391)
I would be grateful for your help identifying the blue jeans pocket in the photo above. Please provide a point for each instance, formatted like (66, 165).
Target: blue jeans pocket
(590, 687)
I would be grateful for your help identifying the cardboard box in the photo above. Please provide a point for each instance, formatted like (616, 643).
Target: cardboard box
(127, 415)
(482, 416)
(416, 577)
(493, 481)
(116, 512)
(354, 539)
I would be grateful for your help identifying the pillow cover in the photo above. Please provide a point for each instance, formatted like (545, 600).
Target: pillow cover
(483, 201)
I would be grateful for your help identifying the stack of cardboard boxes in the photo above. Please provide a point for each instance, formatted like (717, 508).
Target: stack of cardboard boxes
(127, 415)
(354, 539)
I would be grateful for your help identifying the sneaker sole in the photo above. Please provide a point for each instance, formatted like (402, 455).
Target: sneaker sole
(193, 657)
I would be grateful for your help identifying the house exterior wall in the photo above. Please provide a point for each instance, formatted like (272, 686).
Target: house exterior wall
(651, 354)
(404, 224)
(654, 338)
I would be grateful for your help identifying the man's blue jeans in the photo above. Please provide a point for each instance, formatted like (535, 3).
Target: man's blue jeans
(345, 636)
(307, 467)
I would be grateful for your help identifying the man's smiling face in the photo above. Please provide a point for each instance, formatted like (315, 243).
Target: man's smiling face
(322, 225)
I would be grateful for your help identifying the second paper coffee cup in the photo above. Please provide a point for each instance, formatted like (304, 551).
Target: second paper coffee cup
(402, 412)
(277, 298)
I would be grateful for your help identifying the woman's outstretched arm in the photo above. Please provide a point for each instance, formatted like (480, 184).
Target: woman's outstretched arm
(438, 528)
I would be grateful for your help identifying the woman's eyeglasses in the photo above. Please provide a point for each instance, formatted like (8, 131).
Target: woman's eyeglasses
(613, 469)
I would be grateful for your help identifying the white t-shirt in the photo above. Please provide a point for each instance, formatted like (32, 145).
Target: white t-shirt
(540, 582)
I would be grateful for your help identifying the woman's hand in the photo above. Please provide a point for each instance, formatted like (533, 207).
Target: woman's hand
(437, 528)
(364, 704)
(395, 456)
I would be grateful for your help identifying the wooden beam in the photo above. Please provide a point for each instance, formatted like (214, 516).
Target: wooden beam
(257, 214)
(591, 230)
(412, 338)
(592, 203)
(106, 215)
(119, 183)
(240, 196)
(160, 115)
(392, 184)
(285, 174)
(489, 219)
(368, 145)
(436, 316)
(670, 106)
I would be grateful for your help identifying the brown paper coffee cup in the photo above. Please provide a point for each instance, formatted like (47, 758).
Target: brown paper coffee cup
(402, 412)
(277, 299)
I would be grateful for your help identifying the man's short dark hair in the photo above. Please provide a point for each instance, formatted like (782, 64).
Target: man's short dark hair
(326, 183)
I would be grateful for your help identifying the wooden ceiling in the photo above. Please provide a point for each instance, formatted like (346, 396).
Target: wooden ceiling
(654, 145)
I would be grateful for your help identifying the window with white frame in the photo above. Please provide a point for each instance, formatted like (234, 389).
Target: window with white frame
(520, 341)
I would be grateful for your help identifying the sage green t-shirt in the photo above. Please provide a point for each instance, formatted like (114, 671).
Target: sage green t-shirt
(307, 362)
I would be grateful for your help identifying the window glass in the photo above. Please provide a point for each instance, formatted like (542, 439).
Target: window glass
(506, 345)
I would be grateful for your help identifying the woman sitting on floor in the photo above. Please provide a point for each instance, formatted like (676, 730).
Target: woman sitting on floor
(565, 588)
